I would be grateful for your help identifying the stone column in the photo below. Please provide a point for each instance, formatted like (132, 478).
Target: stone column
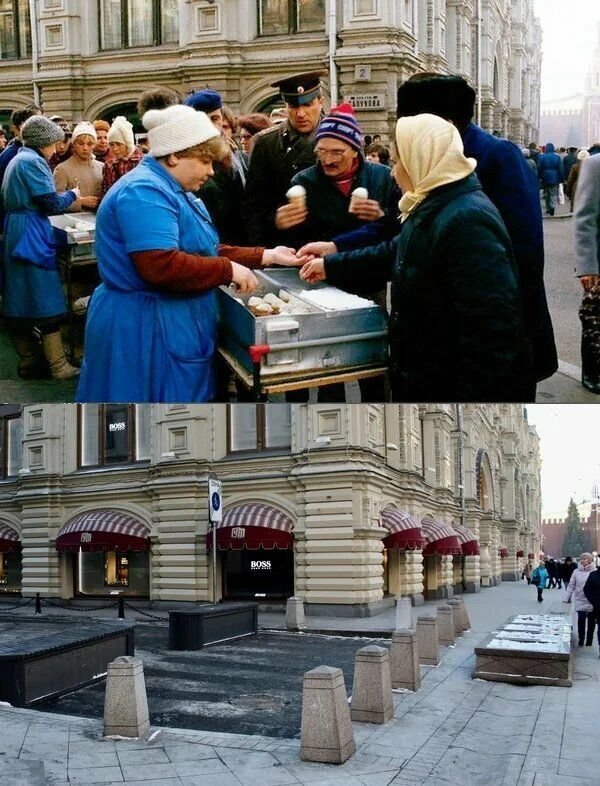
(326, 733)
(485, 566)
(457, 573)
(445, 577)
(125, 703)
(412, 570)
(472, 573)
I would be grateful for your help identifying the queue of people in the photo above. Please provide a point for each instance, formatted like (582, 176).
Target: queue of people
(469, 319)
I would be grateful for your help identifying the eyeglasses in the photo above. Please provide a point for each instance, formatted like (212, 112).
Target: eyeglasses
(334, 155)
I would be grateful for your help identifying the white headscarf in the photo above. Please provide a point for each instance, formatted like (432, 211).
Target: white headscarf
(431, 151)
(121, 131)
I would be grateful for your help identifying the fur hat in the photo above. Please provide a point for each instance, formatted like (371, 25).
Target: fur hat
(38, 132)
(84, 128)
(122, 131)
(176, 128)
(341, 124)
(101, 125)
(204, 100)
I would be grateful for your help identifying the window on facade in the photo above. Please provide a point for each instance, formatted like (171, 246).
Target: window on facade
(11, 445)
(283, 17)
(113, 434)
(15, 29)
(129, 23)
(254, 427)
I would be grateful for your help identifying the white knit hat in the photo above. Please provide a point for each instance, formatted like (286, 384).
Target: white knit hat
(176, 128)
(84, 128)
(122, 131)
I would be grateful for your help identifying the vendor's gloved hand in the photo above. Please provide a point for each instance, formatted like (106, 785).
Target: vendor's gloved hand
(313, 272)
(280, 255)
(288, 216)
(243, 278)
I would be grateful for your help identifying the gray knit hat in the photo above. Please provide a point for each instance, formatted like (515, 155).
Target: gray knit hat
(40, 132)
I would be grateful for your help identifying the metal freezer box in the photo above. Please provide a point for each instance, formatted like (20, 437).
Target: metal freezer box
(320, 340)
(80, 243)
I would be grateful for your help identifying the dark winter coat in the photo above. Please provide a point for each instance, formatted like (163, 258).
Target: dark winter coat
(550, 167)
(328, 207)
(591, 590)
(223, 195)
(278, 154)
(566, 571)
(456, 327)
(569, 162)
(514, 189)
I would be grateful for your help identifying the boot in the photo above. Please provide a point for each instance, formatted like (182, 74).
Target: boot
(60, 368)
(32, 364)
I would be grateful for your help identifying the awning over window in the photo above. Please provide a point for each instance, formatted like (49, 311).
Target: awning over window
(502, 551)
(253, 526)
(531, 555)
(520, 553)
(467, 539)
(404, 530)
(9, 539)
(440, 538)
(104, 530)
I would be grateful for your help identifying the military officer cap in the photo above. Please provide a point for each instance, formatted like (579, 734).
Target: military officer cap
(300, 89)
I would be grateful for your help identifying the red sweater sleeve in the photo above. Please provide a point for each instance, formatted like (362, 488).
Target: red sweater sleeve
(176, 271)
(248, 257)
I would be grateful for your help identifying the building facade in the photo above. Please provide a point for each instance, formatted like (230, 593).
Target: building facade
(346, 506)
(92, 58)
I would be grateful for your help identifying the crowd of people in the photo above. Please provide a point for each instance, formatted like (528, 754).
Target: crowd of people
(451, 217)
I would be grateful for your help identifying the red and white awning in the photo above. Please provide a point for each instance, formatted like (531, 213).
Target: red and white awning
(502, 551)
(440, 538)
(403, 529)
(467, 539)
(104, 530)
(9, 539)
(253, 526)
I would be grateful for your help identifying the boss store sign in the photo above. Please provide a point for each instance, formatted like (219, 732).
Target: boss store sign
(259, 573)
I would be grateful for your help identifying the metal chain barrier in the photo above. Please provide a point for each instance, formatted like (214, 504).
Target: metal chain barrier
(146, 614)
(17, 605)
(76, 608)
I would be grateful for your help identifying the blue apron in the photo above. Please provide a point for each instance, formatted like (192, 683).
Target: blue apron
(143, 345)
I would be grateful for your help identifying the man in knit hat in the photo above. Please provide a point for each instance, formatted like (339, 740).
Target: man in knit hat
(101, 148)
(281, 152)
(81, 169)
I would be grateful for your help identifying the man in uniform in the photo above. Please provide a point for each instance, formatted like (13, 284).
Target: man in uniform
(279, 153)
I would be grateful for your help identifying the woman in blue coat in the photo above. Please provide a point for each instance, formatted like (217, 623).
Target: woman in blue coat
(32, 291)
(456, 324)
(152, 323)
(539, 579)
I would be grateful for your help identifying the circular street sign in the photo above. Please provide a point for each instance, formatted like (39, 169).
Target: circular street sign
(215, 501)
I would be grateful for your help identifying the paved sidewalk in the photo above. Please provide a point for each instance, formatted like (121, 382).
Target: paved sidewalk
(454, 730)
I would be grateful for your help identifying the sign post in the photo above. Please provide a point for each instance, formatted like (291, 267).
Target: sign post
(215, 515)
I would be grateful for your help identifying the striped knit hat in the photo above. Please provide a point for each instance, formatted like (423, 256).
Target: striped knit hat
(341, 124)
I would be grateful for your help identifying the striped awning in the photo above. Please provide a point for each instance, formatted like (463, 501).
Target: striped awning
(467, 539)
(520, 553)
(440, 538)
(404, 530)
(502, 551)
(9, 539)
(104, 530)
(253, 526)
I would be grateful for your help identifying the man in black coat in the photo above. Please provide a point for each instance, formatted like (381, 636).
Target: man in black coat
(278, 154)
(591, 590)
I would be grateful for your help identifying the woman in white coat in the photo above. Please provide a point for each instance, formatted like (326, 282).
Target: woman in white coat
(584, 609)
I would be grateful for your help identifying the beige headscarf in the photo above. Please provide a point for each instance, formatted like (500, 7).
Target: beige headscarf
(431, 151)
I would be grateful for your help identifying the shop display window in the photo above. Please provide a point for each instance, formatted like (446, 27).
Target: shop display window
(11, 444)
(113, 434)
(256, 427)
(10, 572)
(258, 573)
(112, 572)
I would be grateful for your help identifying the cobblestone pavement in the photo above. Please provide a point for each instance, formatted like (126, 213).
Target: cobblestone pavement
(454, 730)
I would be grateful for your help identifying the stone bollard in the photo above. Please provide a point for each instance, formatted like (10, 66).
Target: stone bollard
(372, 688)
(326, 733)
(428, 641)
(460, 612)
(403, 613)
(445, 618)
(455, 606)
(294, 614)
(125, 703)
(404, 660)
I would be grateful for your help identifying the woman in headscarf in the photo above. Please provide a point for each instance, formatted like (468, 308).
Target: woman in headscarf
(125, 155)
(152, 323)
(456, 328)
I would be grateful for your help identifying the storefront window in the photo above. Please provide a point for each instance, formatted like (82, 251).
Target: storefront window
(11, 444)
(255, 427)
(129, 23)
(15, 29)
(259, 573)
(10, 572)
(113, 434)
(113, 572)
(284, 17)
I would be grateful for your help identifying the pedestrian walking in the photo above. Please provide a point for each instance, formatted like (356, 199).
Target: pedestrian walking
(32, 292)
(539, 579)
(567, 569)
(569, 162)
(586, 618)
(279, 153)
(530, 162)
(573, 179)
(591, 590)
(526, 574)
(586, 223)
(551, 174)
(551, 568)
(456, 323)
(152, 323)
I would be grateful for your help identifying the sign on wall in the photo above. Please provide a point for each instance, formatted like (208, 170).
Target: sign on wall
(214, 500)
(366, 101)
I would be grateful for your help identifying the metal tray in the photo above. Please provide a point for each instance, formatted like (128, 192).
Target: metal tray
(79, 242)
(318, 340)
